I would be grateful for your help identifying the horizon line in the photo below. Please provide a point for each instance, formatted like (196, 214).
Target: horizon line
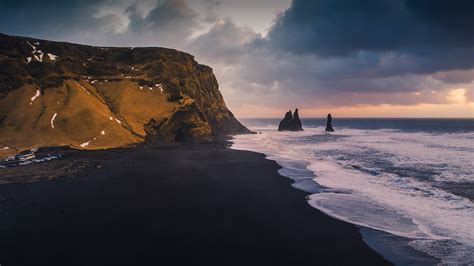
(362, 117)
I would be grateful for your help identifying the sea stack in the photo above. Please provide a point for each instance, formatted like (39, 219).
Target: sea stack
(290, 122)
(329, 124)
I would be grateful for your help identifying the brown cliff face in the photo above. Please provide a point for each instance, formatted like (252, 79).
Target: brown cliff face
(54, 93)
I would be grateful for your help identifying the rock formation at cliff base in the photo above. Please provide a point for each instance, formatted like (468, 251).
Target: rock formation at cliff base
(291, 122)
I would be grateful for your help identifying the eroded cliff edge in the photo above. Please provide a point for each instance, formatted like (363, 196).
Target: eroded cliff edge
(57, 94)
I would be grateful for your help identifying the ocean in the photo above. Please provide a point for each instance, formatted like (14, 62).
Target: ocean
(407, 183)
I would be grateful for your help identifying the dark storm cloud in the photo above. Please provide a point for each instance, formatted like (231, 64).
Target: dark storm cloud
(455, 16)
(167, 15)
(101, 22)
(50, 18)
(169, 23)
(338, 28)
(330, 49)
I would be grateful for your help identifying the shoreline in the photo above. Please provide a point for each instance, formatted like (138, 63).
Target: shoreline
(175, 204)
(392, 247)
(391, 198)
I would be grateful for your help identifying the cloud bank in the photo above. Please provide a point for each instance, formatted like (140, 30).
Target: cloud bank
(311, 54)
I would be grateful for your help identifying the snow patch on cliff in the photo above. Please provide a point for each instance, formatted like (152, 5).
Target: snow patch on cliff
(37, 94)
(38, 54)
(52, 120)
(85, 144)
(52, 57)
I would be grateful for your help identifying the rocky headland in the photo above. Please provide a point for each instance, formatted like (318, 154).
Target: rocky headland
(85, 97)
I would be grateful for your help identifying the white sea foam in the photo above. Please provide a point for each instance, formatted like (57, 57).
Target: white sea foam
(383, 179)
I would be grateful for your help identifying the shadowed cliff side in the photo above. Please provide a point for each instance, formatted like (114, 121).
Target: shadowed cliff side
(56, 94)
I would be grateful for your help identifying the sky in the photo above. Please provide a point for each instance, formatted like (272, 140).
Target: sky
(353, 58)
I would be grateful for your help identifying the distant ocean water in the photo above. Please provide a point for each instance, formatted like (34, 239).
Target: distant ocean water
(410, 178)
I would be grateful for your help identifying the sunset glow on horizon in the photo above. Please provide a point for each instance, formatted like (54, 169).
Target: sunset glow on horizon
(457, 106)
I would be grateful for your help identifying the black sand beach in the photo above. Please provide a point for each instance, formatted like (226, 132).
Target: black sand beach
(172, 205)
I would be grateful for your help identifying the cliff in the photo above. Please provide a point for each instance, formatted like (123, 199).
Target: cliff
(63, 94)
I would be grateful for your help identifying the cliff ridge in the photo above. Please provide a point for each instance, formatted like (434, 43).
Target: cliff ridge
(85, 97)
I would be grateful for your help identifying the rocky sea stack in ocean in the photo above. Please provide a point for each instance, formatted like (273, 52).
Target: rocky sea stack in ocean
(291, 122)
(329, 124)
(63, 94)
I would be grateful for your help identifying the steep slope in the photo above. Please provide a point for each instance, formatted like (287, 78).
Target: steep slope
(54, 93)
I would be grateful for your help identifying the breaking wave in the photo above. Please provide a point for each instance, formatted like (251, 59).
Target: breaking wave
(392, 180)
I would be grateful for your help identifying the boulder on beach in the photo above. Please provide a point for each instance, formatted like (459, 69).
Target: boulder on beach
(291, 122)
(329, 124)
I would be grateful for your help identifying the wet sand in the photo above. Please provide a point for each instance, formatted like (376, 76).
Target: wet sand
(168, 205)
